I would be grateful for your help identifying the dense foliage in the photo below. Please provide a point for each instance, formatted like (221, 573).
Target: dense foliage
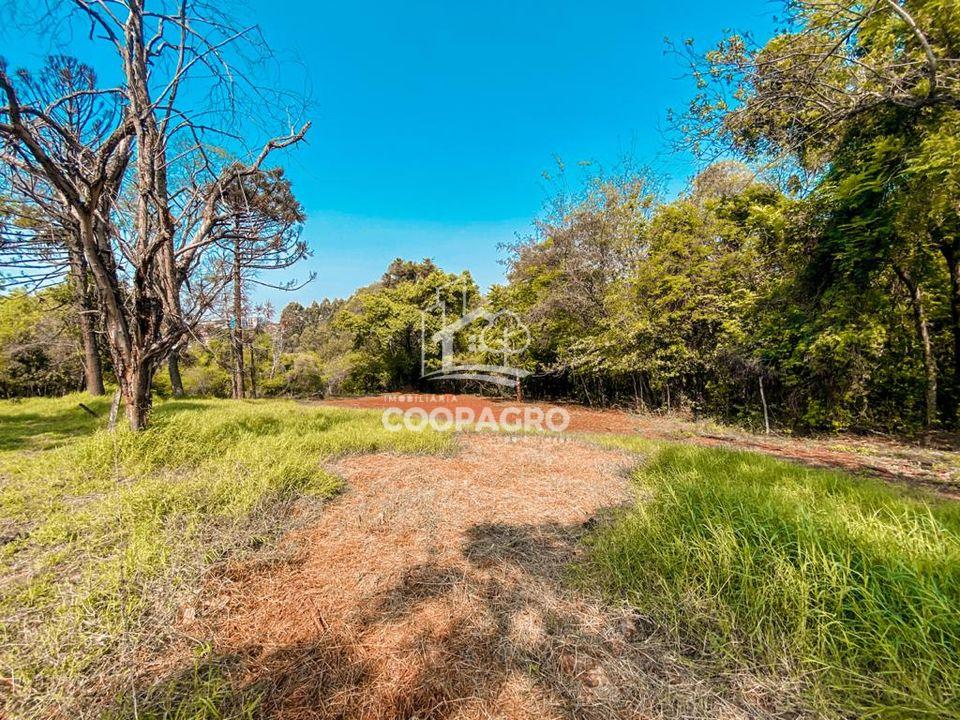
(40, 351)
(698, 302)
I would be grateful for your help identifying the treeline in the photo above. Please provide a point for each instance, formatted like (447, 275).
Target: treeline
(370, 342)
(810, 279)
(727, 298)
(725, 302)
(717, 303)
(820, 277)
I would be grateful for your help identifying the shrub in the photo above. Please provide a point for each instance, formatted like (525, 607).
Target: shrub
(205, 381)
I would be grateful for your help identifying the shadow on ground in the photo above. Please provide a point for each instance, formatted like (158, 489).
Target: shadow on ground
(23, 430)
(495, 636)
(31, 430)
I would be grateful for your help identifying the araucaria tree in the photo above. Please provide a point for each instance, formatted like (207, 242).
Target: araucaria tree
(34, 246)
(147, 194)
(263, 234)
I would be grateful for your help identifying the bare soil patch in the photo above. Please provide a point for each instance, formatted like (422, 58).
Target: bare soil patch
(438, 587)
(935, 468)
(582, 419)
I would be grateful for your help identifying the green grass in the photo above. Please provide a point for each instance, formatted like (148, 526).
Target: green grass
(206, 690)
(106, 533)
(845, 585)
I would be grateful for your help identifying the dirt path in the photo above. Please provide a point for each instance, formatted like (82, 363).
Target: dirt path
(438, 587)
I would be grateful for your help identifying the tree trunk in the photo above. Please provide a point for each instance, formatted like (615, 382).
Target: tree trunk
(136, 396)
(134, 373)
(951, 253)
(929, 362)
(277, 352)
(237, 329)
(766, 413)
(253, 370)
(92, 367)
(173, 366)
(114, 408)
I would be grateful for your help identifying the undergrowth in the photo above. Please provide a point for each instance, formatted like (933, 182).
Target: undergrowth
(105, 533)
(844, 584)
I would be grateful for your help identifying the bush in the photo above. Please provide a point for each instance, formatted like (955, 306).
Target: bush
(301, 375)
(161, 383)
(205, 381)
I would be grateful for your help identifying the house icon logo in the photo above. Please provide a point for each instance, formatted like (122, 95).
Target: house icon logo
(488, 334)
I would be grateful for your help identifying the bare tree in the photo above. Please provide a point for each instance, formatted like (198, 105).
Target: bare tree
(156, 158)
(45, 223)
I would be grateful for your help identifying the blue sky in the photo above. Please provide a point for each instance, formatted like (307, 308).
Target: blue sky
(434, 121)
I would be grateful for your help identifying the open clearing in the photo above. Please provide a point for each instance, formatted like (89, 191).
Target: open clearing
(592, 575)
(433, 589)
(437, 588)
(936, 467)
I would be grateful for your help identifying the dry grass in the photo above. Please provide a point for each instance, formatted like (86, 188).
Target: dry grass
(438, 590)
(105, 535)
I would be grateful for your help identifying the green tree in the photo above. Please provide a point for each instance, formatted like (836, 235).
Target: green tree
(40, 347)
(385, 321)
(860, 99)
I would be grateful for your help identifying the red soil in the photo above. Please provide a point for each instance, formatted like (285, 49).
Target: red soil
(891, 459)
(581, 419)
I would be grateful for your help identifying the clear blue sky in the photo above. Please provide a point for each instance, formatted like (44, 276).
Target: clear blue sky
(433, 121)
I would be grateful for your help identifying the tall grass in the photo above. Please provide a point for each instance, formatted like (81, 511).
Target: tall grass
(104, 533)
(848, 585)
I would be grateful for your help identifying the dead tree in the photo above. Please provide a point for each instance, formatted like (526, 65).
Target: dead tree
(43, 220)
(155, 155)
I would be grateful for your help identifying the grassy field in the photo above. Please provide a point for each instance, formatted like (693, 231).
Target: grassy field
(104, 534)
(846, 587)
